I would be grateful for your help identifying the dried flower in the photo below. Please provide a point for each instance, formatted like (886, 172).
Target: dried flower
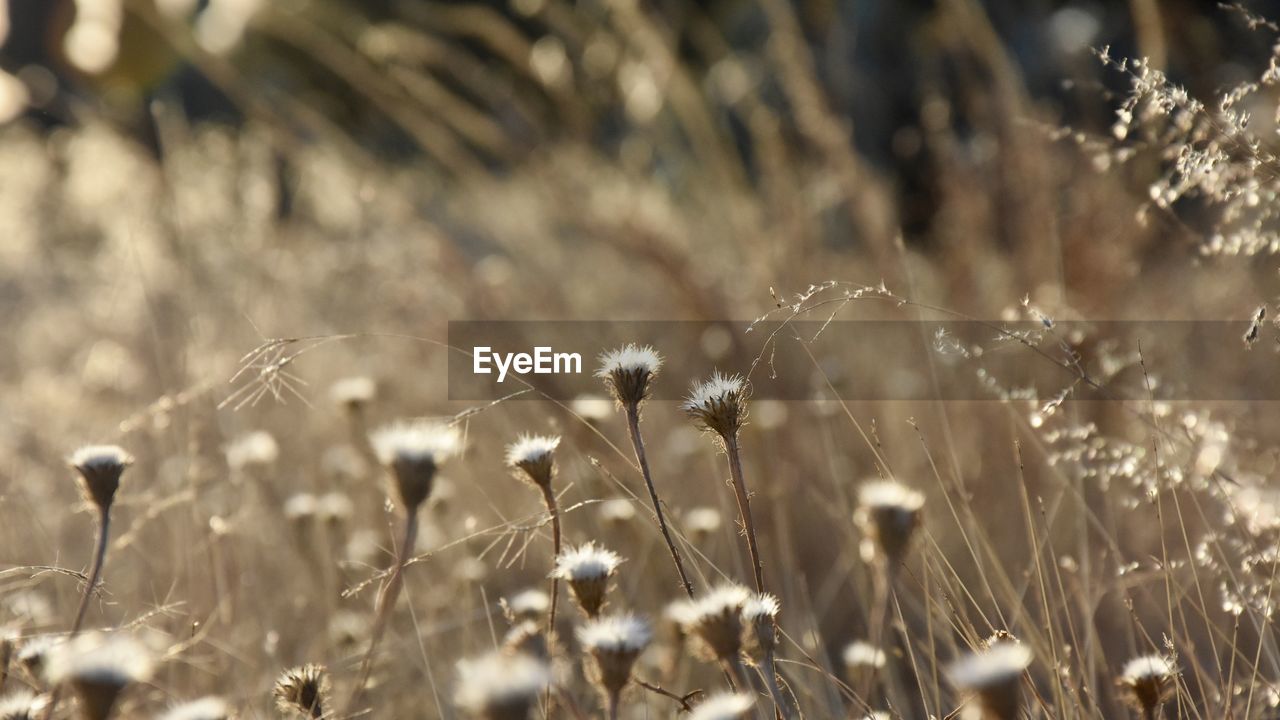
(1148, 681)
(588, 569)
(760, 616)
(614, 642)
(617, 511)
(303, 690)
(724, 706)
(414, 451)
(719, 404)
(534, 456)
(628, 372)
(888, 513)
(862, 654)
(716, 619)
(208, 708)
(592, 408)
(528, 604)
(21, 705)
(527, 637)
(300, 507)
(254, 449)
(501, 686)
(701, 523)
(354, 393)
(98, 667)
(994, 677)
(100, 468)
(334, 507)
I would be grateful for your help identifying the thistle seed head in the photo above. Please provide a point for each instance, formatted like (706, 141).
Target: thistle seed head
(334, 508)
(588, 569)
(862, 654)
(533, 456)
(255, 449)
(353, 394)
(994, 678)
(592, 408)
(760, 618)
(719, 404)
(1148, 681)
(530, 604)
(501, 686)
(527, 637)
(628, 372)
(614, 642)
(300, 507)
(98, 667)
(715, 619)
(413, 451)
(100, 468)
(21, 705)
(303, 690)
(724, 706)
(209, 708)
(888, 513)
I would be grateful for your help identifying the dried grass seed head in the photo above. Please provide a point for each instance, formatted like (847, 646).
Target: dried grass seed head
(413, 451)
(100, 468)
(888, 513)
(534, 457)
(98, 667)
(724, 706)
(994, 678)
(615, 642)
(1148, 681)
(303, 690)
(501, 686)
(21, 705)
(719, 404)
(587, 568)
(628, 373)
(208, 708)
(715, 619)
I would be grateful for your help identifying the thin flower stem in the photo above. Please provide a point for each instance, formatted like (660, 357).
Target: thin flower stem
(553, 508)
(770, 672)
(633, 426)
(95, 570)
(95, 573)
(744, 508)
(386, 601)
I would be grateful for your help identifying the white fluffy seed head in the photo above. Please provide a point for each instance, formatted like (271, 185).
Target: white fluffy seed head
(1147, 681)
(628, 372)
(353, 393)
(715, 619)
(723, 706)
(534, 457)
(99, 658)
(100, 457)
(1002, 663)
(624, 633)
(889, 494)
(21, 705)
(718, 404)
(1148, 666)
(760, 607)
(588, 561)
(528, 604)
(209, 708)
(501, 685)
(860, 653)
(888, 513)
(252, 449)
(414, 451)
(300, 506)
(416, 441)
(100, 468)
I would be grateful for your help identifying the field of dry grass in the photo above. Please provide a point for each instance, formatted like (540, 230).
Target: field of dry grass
(230, 468)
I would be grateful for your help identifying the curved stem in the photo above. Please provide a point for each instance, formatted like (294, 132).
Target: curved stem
(386, 601)
(744, 508)
(633, 426)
